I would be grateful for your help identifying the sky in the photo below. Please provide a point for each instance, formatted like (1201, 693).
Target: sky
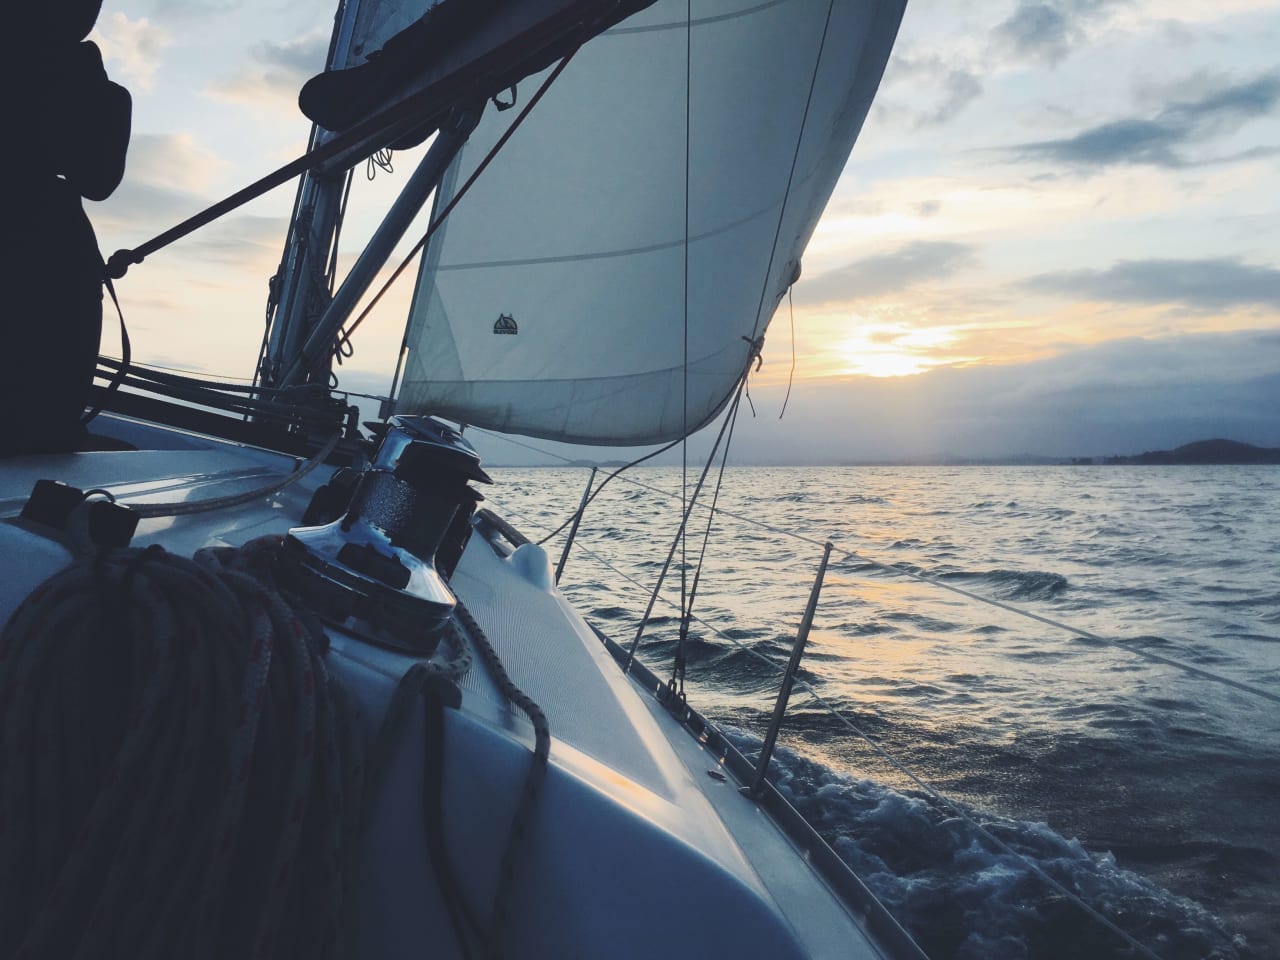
(1058, 234)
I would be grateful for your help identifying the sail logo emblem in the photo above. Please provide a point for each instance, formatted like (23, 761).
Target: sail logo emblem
(505, 324)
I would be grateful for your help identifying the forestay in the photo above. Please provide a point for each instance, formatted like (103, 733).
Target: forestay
(553, 301)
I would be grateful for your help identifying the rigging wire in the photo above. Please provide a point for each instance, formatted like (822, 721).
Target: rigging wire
(678, 670)
(846, 554)
(792, 375)
(684, 522)
(881, 751)
(628, 466)
(332, 272)
(795, 159)
(686, 603)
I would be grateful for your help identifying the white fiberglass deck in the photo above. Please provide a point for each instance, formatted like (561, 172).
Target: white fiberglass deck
(634, 850)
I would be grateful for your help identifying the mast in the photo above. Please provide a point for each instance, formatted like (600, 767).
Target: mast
(438, 70)
(300, 290)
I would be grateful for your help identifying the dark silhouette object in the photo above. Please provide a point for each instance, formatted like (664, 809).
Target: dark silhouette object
(1211, 452)
(68, 131)
(338, 99)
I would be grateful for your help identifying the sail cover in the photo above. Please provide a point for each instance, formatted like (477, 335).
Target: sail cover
(574, 294)
(377, 21)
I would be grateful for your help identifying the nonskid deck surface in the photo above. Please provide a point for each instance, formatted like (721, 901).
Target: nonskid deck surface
(633, 849)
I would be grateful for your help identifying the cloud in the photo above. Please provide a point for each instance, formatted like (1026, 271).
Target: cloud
(959, 89)
(133, 47)
(1166, 138)
(946, 88)
(1210, 284)
(1119, 397)
(198, 7)
(177, 162)
(166, 180)
(1048, 30)
(240, 241)
(274, 74)
(915, 263)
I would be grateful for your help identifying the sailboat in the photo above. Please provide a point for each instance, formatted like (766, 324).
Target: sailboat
(363, 720)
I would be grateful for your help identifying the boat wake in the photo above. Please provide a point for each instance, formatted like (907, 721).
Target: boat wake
(962, 900)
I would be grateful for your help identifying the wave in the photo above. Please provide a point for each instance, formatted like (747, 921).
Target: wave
(1016, 584)
(963, 899)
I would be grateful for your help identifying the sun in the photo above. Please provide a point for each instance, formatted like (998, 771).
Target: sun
(894, 350)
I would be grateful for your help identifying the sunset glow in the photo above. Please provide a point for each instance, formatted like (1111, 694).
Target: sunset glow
(1087, 209)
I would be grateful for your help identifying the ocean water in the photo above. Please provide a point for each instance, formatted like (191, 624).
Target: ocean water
(1151, 792)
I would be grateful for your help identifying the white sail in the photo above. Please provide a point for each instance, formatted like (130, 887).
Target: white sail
(553, 302)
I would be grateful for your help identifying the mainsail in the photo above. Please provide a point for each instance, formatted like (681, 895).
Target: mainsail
(574, 294)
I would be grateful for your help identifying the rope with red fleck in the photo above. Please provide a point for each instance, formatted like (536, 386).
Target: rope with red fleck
(179, 774)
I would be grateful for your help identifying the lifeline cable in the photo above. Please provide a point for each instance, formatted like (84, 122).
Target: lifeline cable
(306, 406)
(847, 554)
(939, 798)
(922, 578)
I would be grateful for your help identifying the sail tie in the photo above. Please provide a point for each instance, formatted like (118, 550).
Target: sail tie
(499, 104)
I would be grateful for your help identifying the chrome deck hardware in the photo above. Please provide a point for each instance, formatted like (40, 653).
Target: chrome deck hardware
(381, 568)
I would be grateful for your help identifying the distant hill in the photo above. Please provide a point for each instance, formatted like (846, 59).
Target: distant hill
(1211, 451)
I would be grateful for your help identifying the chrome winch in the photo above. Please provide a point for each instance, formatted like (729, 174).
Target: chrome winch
(377, 569)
